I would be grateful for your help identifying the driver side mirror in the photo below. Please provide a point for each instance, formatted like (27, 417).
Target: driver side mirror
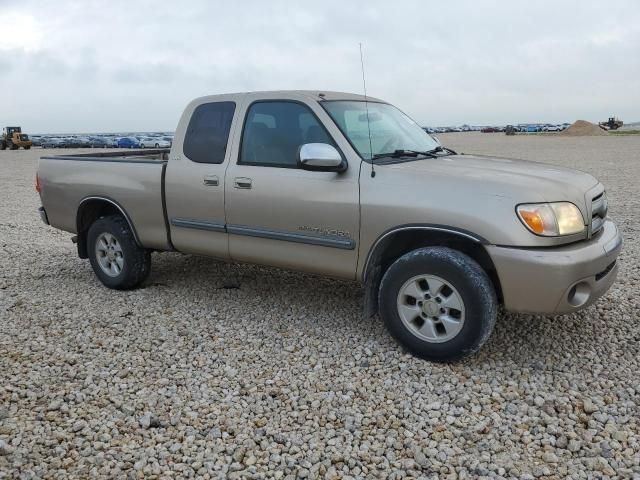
(321, 157)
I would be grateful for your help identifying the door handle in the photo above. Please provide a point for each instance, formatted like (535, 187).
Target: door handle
(242, 182)
(211, 180)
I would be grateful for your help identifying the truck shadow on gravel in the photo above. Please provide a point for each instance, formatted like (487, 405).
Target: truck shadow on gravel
(336, 304)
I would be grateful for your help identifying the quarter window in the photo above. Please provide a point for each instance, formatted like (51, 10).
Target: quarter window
(208, 132)
(274, 132)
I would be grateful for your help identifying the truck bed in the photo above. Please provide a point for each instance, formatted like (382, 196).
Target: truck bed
(134, 180)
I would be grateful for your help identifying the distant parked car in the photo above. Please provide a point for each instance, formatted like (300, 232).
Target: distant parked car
(70, 142)
(489, 130)
(51, 142)
(128, 142)
(99, 142)
(157, 142)
(83, 142)
(169, 139)
(552, 128)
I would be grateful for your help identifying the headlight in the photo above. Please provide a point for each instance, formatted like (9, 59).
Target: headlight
(551, 219)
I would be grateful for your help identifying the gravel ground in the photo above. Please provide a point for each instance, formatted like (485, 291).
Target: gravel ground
(228, 371)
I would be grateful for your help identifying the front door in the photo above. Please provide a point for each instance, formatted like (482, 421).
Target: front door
(195, 185)
(279, 214)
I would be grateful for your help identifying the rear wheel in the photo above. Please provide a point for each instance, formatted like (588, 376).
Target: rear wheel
(27, 147)
(116, 258)
(438, 303)
(13, 146)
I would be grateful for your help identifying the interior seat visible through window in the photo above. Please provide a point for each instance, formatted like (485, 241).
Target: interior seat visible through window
(274, 131)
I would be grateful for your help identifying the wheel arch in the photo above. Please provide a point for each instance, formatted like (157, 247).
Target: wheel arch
(92, 208)
(394, 243)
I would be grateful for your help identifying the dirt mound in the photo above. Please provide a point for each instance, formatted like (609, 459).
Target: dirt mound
(582, 128)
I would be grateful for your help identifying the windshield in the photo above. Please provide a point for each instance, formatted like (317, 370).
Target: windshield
(391, 129)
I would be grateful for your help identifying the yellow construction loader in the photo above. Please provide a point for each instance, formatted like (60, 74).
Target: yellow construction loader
(13, 138)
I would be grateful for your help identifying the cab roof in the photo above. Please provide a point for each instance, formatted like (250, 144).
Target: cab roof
(317, 95)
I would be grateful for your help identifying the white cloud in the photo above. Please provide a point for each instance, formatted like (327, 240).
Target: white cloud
(19, 32)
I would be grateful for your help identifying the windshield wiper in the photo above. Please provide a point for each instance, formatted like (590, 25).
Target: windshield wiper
(414, 153)
(441, 149)
(403, 153)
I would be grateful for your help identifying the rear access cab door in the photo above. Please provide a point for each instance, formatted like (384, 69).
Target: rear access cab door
(278, 214)
(194, 186)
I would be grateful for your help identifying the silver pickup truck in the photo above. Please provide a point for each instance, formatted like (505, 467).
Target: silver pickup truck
(349, 187)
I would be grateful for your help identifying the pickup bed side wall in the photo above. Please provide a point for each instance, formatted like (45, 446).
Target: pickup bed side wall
(136, 187)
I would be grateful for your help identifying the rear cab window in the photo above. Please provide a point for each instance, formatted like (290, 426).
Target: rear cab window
(208, 132)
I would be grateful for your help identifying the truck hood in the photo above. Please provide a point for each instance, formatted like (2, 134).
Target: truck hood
(508, 171)
(478, 194)
(521, 180)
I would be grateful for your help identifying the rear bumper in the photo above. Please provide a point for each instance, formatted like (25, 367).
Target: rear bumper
(558, 280)
(43, 215)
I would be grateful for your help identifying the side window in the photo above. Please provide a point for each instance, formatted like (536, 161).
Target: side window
(208, 132)
(274, 132)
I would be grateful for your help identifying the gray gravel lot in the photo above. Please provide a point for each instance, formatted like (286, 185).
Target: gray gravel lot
(230, 371)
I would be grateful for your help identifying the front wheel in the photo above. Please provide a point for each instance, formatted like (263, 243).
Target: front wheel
(438, 303)
(115, 257)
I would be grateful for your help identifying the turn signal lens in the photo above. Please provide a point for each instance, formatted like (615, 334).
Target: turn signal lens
(38, 186)
(534, 221)
(551, 219)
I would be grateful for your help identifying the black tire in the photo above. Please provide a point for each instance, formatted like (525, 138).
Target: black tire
(3, 145)
(137, 260)
(27, 148)
(13, 146)
(471, 282)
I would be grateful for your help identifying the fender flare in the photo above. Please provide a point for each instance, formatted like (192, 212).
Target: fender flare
(372, 270)
(436, 228)
(81, 239)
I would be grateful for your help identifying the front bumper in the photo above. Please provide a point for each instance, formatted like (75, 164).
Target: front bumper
(558, 280)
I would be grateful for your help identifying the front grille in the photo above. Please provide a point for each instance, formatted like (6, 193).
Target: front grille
(599, 208)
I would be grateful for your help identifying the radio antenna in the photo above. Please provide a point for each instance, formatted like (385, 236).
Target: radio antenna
(366, 106)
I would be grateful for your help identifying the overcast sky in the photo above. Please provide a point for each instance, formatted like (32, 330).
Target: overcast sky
(83, 66)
